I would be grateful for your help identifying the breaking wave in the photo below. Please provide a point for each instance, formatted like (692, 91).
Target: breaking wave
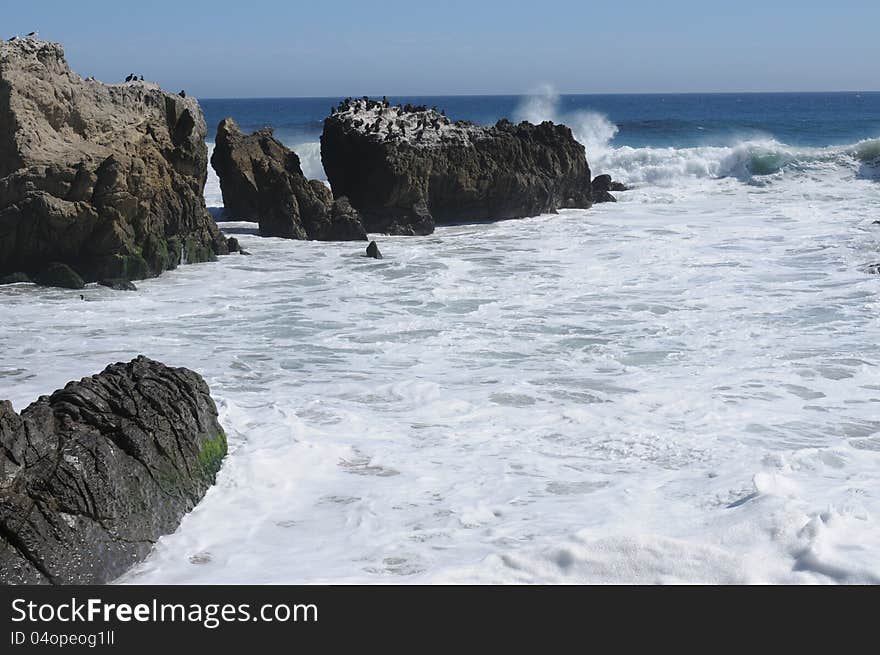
(747, 160)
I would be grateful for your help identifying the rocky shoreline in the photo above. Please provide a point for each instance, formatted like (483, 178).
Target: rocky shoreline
(105, 183)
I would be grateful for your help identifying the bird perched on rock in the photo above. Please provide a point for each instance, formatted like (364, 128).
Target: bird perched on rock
(33, 35)
(14, 38)
(129, 78)
(182, 93)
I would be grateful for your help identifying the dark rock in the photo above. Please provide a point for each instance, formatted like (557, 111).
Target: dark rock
(262, 181)
(118, 284)
(59, 275)
(602, 183)
(232, 244)
(403, 178)
(15, 278)
(373, 250)
(243, 252)
(93, 475)
(601, 186)
(619, 186)
(95, 175)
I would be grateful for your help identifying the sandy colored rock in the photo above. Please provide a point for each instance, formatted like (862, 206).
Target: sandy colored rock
(105, 178)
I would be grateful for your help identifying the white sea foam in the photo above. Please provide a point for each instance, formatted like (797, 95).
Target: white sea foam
(679, 387)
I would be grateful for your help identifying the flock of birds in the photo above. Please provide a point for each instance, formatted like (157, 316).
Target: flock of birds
(30, 35)
(394, 118)
(131, 78)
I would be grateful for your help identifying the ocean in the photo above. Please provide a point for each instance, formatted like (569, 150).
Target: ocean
(682, 386)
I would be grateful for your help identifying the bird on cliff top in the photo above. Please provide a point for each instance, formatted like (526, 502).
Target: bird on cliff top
(33, 35)
(14, 38)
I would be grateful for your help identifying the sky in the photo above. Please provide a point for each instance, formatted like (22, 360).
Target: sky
(273, 48)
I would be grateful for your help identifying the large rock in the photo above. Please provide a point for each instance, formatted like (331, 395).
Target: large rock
(93, 475)
(406, 169)
(107, 179)
(262, 181)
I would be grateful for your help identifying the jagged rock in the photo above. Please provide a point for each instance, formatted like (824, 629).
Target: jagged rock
(93, 475)
(602, 189)
(107, 179)
(15, 278)
(233, 245)
(373, 250)
(404, 171)
(118, 285)
(262, 181)
(59, 275)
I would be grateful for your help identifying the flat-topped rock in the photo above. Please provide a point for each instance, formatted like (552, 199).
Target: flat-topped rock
(105, 178)
(405, 169)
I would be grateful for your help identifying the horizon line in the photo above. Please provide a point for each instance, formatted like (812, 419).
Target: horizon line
(528, 95)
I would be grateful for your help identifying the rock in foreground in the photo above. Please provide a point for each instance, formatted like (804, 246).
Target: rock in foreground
(106, 179)
(405, 169)
(93, 475)
(262, 181)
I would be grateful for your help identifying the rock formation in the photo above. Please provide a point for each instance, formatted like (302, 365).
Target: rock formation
(406, 168)
(373, 250)
(262, 181)
(107, 179)
(93, 475)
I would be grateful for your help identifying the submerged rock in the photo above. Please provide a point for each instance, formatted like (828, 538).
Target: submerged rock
(405, 169)
(59, 275)
(107, 179)
(262, 181)
(93, 475)
(15, 278)
(118, 285)
(373, 250)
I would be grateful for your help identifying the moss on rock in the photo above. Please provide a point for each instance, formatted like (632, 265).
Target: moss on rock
(211, 453)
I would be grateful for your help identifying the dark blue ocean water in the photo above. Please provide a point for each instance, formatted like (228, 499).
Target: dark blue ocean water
(686, 120)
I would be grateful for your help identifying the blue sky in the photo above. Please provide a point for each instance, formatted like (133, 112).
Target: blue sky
(272, 48)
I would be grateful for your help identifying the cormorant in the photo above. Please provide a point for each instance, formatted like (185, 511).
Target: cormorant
(182, 94)
(33, 35)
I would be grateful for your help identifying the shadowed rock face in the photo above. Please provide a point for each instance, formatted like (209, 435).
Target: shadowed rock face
(93, 475)
(107, 179)
(262, 181)
(407, 169)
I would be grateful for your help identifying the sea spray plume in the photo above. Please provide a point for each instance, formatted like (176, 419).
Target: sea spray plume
(591, 129)
(310, 160)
